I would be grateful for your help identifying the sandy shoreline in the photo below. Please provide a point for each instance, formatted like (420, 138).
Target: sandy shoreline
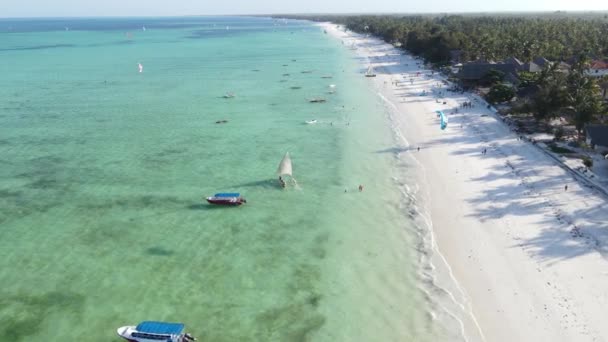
(512, 255)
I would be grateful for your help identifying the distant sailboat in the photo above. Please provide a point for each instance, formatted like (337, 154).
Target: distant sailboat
(143, 28)
(370, 72)
(141, 67)
(285, 169)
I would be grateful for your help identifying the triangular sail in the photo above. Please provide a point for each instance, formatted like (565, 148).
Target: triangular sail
(370, 72)
(285, 166)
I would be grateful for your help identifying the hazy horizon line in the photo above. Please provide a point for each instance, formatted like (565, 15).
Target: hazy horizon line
(298, 13)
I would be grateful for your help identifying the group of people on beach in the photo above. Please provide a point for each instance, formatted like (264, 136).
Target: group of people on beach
(467, 105)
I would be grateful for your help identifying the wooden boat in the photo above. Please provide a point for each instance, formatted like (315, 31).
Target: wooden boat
(285, 170)
(317, 100)
(227, 198)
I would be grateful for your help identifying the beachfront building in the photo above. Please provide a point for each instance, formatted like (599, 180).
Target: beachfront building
(604, 89)
(455, 56)
(598, 68)
(536, 65)
(597, 136)
(564, 67)
(476, 70)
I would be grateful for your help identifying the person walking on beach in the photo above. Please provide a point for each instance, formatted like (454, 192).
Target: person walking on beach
(566, 187)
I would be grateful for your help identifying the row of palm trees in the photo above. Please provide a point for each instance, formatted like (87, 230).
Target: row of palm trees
(489, 37)
(555, 37)
(574, 92)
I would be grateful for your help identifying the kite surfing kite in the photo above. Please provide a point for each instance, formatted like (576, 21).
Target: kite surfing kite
(443, 119)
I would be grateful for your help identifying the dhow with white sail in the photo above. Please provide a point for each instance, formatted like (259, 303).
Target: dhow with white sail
(285, 169)
(370, 72)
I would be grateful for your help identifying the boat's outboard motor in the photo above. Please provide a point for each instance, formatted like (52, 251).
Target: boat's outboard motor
(189, 337)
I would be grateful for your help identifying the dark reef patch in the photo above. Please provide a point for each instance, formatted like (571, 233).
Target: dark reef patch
(38, 47)
(23, 315)
(159, 251)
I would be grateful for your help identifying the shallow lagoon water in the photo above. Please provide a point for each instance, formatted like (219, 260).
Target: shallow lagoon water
(104, 169)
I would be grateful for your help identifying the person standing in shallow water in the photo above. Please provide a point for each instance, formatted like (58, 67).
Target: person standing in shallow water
(360, 187)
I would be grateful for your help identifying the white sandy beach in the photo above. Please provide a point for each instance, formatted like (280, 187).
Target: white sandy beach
(512, 255)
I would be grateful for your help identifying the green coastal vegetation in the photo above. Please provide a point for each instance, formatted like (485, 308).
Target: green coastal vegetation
(555, 36)
(563, 86)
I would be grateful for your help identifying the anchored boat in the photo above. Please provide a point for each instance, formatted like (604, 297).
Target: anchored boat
(227, 198)
(316, 100)
(149, 331)
(285, 170)
(370, 72)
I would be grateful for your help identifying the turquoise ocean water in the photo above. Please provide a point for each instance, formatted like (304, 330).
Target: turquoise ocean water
(103, 171)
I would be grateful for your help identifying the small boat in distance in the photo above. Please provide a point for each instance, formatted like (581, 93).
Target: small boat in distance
(311, 122)
(227, 198)
(370, 72)
(317, 100)
(155, 331)
(229, 95)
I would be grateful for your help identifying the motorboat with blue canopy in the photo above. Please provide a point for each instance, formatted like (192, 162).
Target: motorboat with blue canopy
(149, 331)
(227, 198)
(160, 328)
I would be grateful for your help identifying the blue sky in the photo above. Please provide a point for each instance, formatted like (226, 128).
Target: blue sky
(45, 8)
